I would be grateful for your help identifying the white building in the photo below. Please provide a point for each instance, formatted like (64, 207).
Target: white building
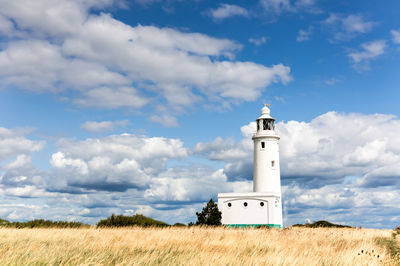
(263, 206)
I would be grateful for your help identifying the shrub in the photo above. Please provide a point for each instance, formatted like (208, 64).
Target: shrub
(40, 223)
(137, 219)
(397, 230)
(179, 225)
(322, 224)
(4, 222)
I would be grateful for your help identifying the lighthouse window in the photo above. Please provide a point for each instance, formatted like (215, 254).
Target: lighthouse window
(229, 204)
(265, 124)
(273, 163)
(245, 204)
(262, 204)
(262, 145)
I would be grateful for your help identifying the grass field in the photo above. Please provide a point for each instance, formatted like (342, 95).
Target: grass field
(196, 246)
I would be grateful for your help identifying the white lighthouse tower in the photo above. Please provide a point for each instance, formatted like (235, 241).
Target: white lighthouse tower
(263, 206)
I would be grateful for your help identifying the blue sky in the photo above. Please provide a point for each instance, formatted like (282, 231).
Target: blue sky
(148, 106)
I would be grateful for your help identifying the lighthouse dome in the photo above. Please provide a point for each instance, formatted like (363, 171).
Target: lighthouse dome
(265, 113)
(265, 110)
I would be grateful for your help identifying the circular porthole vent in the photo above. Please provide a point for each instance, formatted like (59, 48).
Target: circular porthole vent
(245, 204)
(229, 204)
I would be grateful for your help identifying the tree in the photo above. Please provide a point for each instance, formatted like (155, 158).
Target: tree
(210, 215)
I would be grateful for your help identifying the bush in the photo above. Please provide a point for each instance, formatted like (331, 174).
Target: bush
(322, 224)
(179, 225)
(210, 215)
(137, 219)
(40, 223)
(397, 230)
(4, 222)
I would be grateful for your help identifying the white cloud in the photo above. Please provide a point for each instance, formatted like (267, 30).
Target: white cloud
(112, 98)
(113, 163)
(6, 26)
(279, 99)
(370, 51)
(97, 127)
(395, 36)
(344, 204)
(280, 6)
(304, 35)
(332, 81)
(18, 176)
(58, 160)
(347, 27)
(225, 11)
(277, 6)
(62, 47)
(12, 144)
(38, 65)
(50, 18)
(20, 161)
(27, 192)
(164, 119)
(258, 41)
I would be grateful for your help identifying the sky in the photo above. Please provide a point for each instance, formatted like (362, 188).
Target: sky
(148, 106)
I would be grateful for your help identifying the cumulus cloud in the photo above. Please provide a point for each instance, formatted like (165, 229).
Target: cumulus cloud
(370, 51)
(344, 204)
(304, 35)
(63, 47)
(97, 127)
(347, 27)
(129, 174)
(18, 176)
(13, 143)
(48, 18)
(113, 163)
(395, 36)
(194, 184)
(225, 11)
(93, 178)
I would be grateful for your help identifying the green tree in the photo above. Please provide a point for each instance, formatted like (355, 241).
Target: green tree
(210, 215)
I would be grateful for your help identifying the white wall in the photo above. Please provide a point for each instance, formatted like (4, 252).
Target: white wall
(266, 176)
(254, 213)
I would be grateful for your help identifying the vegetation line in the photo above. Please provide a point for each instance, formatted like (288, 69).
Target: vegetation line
(392, 244)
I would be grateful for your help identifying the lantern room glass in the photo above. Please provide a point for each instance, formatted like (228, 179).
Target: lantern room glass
(268, 124)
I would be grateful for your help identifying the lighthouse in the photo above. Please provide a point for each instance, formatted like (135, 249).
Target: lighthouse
(263, 206)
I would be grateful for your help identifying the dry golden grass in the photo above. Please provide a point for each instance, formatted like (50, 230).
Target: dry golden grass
(193, 246)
